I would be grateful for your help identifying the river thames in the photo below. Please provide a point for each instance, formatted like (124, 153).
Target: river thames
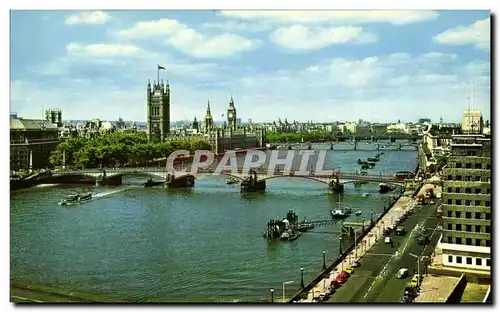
(202, 244)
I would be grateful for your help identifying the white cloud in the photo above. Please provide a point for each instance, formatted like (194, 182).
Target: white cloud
(435, 55)
(298, 37)
(238, 26)
(189, 40)
(478, 34)
(104, 50)
(88, 17)
(336, 17)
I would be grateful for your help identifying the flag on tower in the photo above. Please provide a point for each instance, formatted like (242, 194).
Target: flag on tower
(160, 67)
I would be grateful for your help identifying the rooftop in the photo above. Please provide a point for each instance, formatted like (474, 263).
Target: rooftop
(31, 124)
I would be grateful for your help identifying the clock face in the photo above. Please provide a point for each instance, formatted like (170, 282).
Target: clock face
(230, 115)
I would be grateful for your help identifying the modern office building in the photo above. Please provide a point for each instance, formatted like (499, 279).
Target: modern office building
(466, 238)
(472, 122)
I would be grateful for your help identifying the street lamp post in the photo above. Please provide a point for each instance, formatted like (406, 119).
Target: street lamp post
(324, 260)
(285, 283)
(272, 294)
(418, 266)
(340, 244)
(302, 278)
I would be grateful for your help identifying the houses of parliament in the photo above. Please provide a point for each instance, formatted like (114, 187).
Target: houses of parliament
(230, 136)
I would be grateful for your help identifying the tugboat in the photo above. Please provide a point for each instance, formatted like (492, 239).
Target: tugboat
(358, 213)
(232, 181)
(373, 159)
(251, 184)
(287, 229)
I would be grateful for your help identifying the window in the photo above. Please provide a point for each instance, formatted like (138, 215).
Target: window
(478, 228)
(449, 201)
(468, 165)
(450, 227)
(448, 189)
(478, 242)
(450, 177)
(477, 166)
(488, 243)
(478, 203)
(468, 260)
(459, 259)
(468, 241)
(488, 262)
(450, 259)
(487, 203)
(488, 166)
(488, 191)
(459, 202)
(449, 214)
(450, 240)
(479, 261)
(478, 191)
(467, 202)
(458, 165)
(459, 178)
(468, 214)
(468, 228)
(488, 229)
(477, 178)
(457, 190)
(458, 227)
(457, 214)
(458, 240)
(488, 216)
(478, 215)
(468, 190)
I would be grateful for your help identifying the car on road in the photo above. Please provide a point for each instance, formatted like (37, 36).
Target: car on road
(355, 264)
(423, 239)
(402, 273)
(400, 231)
(387, 240)
(349, 270)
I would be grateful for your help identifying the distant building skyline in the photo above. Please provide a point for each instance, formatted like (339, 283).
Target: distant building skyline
(392, 66)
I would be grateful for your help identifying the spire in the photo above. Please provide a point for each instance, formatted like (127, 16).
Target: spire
(209, 113)
(231, 101)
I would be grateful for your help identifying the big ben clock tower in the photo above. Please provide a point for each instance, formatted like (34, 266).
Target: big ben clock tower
(231, 115)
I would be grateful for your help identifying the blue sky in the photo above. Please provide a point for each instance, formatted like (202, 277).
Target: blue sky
(314, 65)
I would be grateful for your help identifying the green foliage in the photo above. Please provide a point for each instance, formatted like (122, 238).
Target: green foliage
(119, 148)
(296, 137)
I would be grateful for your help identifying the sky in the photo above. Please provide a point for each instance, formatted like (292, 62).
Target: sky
(324, 66)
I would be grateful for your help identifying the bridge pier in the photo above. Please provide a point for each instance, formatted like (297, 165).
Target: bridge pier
(331, 146)
(336, 187)
(103, 180)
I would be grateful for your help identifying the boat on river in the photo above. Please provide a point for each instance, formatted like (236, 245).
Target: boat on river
(76, 198)
(290, 235)
(341, 211)
(232, 180)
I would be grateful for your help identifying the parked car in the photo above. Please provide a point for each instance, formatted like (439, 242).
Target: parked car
(355, 264)
(387, 240)
(335, 284)
(414, 281)
(349, 270)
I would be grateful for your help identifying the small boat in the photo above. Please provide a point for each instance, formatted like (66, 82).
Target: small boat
(358, 212)
(365, 166)
(232, 181)
(69, 199)
(365, 195)
(384, 187)
(341, 213)
(76, 198)
(290, 236)
(372, 159)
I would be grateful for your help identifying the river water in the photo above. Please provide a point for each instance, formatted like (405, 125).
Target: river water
(202, 244)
